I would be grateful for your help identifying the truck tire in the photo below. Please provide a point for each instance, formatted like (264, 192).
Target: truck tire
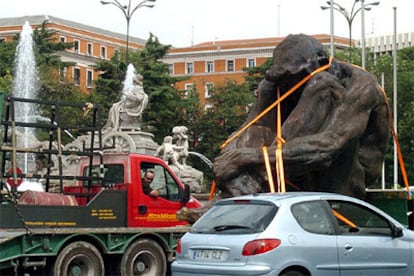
(79, 258)
(144, 257)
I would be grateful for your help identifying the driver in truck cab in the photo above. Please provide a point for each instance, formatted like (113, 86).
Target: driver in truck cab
(146, 184)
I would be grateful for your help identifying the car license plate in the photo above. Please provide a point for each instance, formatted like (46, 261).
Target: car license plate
(209, 255)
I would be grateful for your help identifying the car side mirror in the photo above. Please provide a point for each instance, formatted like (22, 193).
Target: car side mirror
(185, 197)
(396, 231)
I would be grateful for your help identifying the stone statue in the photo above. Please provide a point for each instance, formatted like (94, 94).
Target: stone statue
(176, 155)
(127, 113)
(181, 144)
(335, 127)
(169, 153)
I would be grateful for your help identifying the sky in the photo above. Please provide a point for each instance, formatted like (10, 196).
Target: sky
(182, 23)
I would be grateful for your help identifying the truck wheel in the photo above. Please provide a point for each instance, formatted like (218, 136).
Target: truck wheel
(79, 258)
(144, 257)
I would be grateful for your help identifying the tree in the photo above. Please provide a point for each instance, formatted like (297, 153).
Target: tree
(7, 50)
(256, 74)
(405, 108)
(229, 108)
(165, 107)
(108, 87)
(47, 46)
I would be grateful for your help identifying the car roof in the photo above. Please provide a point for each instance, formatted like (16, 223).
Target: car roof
(290, 198)
(293, 197)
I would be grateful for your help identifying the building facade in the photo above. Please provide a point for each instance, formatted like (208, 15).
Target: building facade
(90, 44)
(210, 63)
(379, 45)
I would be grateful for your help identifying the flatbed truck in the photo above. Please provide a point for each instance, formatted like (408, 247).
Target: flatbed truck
(96, 222)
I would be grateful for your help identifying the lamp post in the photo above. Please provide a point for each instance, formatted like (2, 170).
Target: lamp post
(331, 24)
(128, 11)
(350, 16)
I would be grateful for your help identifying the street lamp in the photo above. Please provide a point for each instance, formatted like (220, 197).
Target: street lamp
(128, 12)
(350, 16)
(331, 24)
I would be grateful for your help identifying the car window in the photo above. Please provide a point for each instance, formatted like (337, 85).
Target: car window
(358, 220)
(237, 217)
(312, 217)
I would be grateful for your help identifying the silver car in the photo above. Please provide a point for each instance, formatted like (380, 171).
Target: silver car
(295, 234)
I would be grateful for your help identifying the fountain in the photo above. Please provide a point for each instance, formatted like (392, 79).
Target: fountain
(25, 86)
(128, 83)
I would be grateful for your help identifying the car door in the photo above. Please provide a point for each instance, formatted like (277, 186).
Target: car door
(318, 246)
(365, 242)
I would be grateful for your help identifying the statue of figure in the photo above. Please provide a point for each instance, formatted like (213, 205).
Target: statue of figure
(181, 144)
(168, 152)
(176, 155)
(127, 113)
(335, 126)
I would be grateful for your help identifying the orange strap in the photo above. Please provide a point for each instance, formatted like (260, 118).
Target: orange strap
(397, 144)
(212, 190)
(268, 170)
(270, 107)
(343, 219)
(280, 173)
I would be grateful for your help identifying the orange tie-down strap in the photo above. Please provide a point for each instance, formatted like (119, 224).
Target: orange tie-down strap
(397, 145)
(343, 219)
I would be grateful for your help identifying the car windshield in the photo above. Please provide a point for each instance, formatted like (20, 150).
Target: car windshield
(236, 217)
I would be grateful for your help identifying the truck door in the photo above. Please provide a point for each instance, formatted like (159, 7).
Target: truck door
(158, 211)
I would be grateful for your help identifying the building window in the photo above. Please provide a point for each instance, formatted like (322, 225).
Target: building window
(89, 79)
(90, 49)
(208, 90)
(103, 52)
(171, 69)
(76, 46)
(62, 74)
(230, 65)
(210, 67)
(190, 68)
(63, 39)
(188, 87)
(76, 76)
(251, 62)
(208, 106)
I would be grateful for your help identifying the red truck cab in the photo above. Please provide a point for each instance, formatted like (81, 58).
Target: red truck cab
(124, 171)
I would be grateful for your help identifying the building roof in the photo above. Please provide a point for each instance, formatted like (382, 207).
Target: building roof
(256, 43)
(39, 19)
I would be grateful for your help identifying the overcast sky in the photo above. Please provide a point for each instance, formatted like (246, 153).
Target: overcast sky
(184, 22)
